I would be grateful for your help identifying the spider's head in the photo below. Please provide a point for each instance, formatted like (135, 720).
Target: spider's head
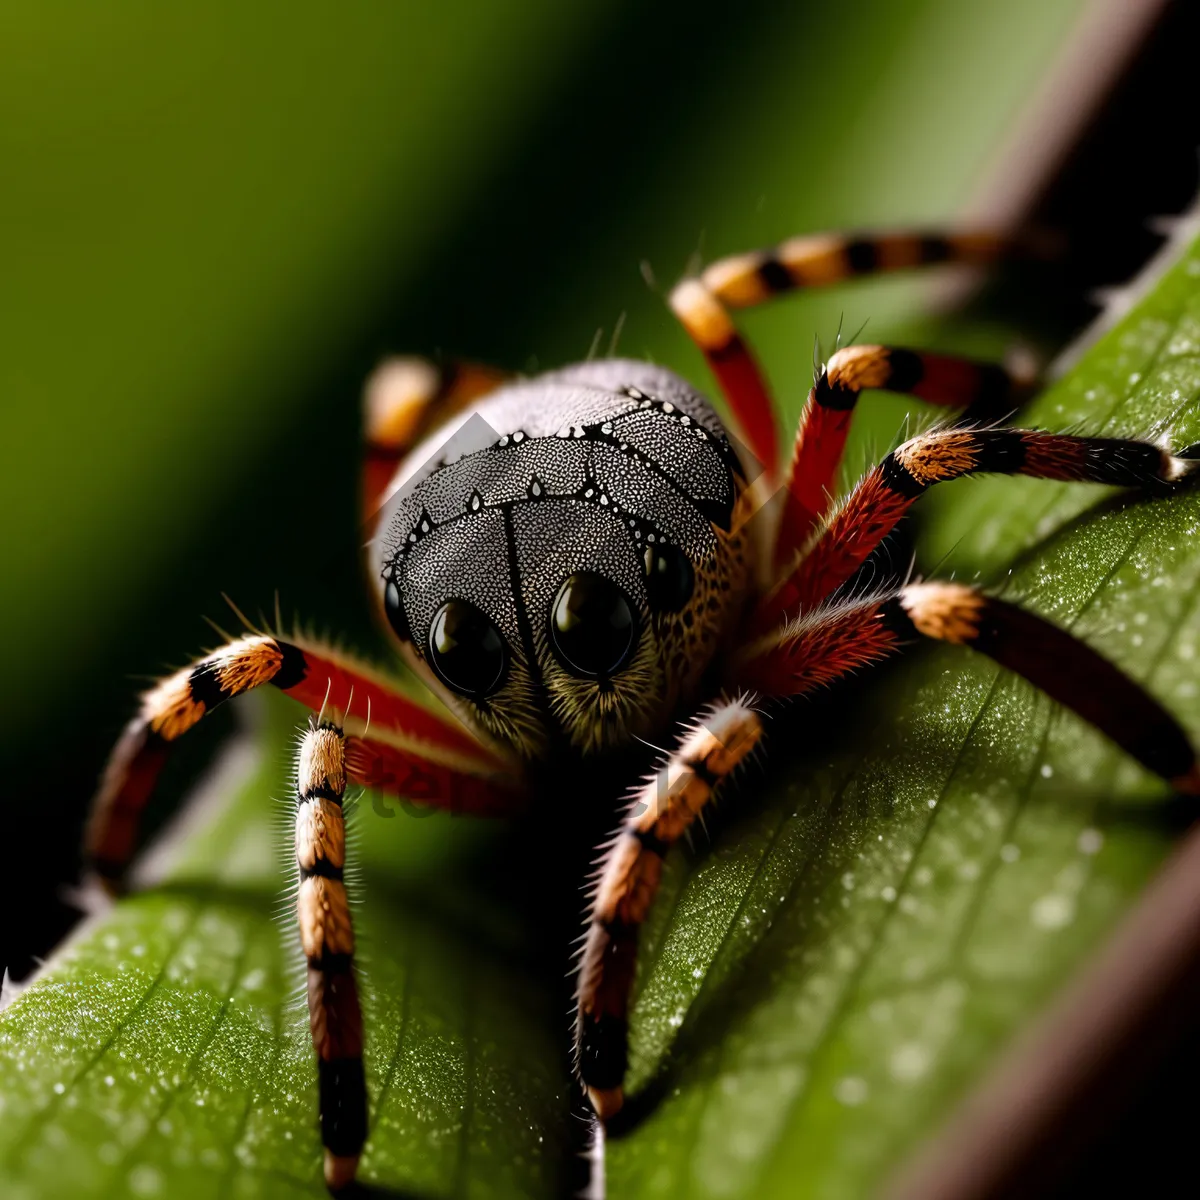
(561, 566)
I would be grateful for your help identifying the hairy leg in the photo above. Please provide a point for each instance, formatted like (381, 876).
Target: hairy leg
(660, 813)
(831, 642)
(986, 391)
(887, 492)
(327, 938)
(703, 304)
(409, 745)
(811, 653)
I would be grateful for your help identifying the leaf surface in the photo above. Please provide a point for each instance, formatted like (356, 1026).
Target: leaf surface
(944, 848)
(167, 1051)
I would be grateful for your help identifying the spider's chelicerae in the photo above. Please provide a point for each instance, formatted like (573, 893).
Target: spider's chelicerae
(570, 563)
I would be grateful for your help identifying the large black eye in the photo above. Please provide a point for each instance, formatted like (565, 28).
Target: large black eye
(592, 625)
(466, 649)
(669, 577)
(393, 606)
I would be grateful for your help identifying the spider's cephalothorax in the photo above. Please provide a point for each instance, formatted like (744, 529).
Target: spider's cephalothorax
(565, 563)
(570, 562)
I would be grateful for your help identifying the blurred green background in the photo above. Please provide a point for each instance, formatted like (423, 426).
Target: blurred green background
(216, 220)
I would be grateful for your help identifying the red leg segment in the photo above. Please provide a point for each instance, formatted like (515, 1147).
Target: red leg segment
(986, 391)
(407, 745)
(831, 642)
(745, 280)
(888, 491)
(735, 367)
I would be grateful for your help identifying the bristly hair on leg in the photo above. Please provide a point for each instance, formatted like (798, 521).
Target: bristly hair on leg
(320, 717)
(247, 624)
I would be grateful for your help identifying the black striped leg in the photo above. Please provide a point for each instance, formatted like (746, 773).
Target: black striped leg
(1063, 667)
(887, 492)
(987, 391)
(703, 304)
(409, 750)
(816, 649)
(662, 809)
(404, 400)
(327, 938)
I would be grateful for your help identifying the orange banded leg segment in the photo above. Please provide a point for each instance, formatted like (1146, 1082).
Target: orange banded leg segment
(818, 260)
(404, 399)
(1062, 666)
(987, 391)
(887, 492)
(703, 304)
(816, 650)
(660, 813)
(732, 362)
(417, 747)
(327, 938)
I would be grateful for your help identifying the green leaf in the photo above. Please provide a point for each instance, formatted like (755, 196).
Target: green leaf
(877, 915)
(859, 942)
(167, 1051)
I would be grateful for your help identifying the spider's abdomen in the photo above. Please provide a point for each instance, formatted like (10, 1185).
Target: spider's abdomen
(613, 469)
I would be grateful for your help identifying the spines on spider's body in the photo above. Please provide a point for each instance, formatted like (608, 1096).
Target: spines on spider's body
(327, 937)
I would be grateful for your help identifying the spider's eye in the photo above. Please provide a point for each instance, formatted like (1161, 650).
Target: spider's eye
(669, 577)
(466, 650)
(393, 607)
(592, 626)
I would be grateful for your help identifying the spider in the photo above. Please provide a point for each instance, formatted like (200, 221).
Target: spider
(575, 561)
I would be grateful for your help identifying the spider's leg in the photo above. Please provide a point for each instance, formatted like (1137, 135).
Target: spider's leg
(822, 646)
(987, 391)
(327, 938)
(1062, 666)
(703, 303)
(661, 811)
(887, 492)
(830, 642)
(408, 745)
(405, 399)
